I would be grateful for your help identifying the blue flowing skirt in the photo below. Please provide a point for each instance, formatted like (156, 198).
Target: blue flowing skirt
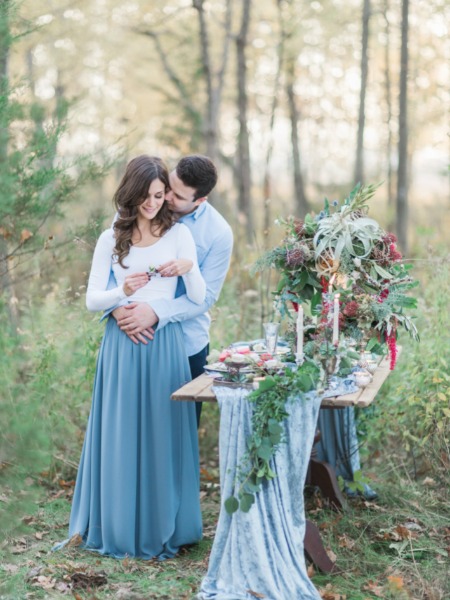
(137, 490)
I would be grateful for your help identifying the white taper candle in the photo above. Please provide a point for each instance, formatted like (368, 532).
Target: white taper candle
(336, 320)
(299, 355)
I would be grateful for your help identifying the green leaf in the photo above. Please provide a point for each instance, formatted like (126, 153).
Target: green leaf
(275, 438)
(246, 502)
(265, 452)
(252, 488)
(231, 505)
(382, 272)
(266, 384)
(274, 426)
(371, 343)
(315, 301)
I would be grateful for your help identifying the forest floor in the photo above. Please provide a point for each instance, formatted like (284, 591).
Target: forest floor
(396, 547)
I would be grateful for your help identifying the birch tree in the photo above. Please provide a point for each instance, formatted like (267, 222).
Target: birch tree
(388, 99)
(204, 116)
(359, 162)
(243, 170)
(402, 175)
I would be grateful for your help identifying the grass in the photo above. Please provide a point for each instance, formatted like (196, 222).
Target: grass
(394, 548)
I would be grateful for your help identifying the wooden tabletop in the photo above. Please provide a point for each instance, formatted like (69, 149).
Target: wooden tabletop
(200, 390)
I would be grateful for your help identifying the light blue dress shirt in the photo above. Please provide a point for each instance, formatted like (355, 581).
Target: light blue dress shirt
(214, 242)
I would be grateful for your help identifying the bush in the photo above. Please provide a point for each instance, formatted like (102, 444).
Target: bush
(413, 410)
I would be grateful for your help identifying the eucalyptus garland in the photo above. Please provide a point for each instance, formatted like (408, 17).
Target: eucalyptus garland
(269, 411)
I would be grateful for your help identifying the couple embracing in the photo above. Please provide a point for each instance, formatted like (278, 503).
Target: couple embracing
(137, 489)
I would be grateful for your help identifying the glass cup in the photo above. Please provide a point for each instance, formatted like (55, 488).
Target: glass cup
(271, 336)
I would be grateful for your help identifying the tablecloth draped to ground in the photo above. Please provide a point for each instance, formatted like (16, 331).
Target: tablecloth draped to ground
(338, 445)
(261, 552)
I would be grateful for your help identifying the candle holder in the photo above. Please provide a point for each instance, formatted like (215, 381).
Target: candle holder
(331, 365)
(299, 359)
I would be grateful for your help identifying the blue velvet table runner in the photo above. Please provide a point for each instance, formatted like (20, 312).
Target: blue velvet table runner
(261, 553)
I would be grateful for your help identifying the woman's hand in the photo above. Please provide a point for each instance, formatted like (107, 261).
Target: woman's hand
(134, 282)
(174, 268)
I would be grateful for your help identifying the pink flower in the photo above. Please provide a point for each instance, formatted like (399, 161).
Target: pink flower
(392, 345)
(383, 295)
(351, 309)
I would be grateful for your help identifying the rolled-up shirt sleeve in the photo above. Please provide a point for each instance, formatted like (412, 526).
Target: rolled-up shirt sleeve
(193, 280)
(214, 268)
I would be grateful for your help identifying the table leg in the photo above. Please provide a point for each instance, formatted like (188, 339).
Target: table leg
(322, 475)
(315, 551)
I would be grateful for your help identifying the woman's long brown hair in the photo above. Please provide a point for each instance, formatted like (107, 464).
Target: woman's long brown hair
(131, 193)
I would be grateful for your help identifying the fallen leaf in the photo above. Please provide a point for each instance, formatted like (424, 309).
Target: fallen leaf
(66, 484)
(404, 533)
(25, 235)
(346, 542)
(329, 594)
(28, 519)
(10, 568)
(428, 481)
(75, 540)
(5, 233)
(45, 582)
(88, 580)
(332, 556)
(396, 583)
(375, 589)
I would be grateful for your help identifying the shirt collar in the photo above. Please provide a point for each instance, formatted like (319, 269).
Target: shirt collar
(195, 214)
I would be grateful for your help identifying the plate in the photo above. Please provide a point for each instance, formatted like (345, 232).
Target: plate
(259, 346)
(220, 367)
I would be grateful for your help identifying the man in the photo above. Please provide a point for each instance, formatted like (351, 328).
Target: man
(191, 181)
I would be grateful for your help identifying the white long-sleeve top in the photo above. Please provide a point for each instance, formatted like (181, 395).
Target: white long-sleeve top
(176, 243)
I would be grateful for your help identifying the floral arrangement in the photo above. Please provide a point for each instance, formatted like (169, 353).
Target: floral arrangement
(350, 272)
(342, 250)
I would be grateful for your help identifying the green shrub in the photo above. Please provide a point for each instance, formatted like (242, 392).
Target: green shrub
(413, 410)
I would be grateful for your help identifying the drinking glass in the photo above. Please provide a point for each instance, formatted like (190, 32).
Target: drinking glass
(271, 335)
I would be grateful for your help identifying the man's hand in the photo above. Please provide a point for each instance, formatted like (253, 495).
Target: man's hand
(137, 321)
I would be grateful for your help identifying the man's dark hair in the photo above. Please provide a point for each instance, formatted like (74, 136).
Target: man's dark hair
(198, 172)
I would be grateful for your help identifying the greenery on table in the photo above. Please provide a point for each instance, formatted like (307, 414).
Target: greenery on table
(339, 247)
(269, 411)
(343, 250)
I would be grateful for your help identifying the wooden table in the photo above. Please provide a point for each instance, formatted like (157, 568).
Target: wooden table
(200, 390)
(320, 474)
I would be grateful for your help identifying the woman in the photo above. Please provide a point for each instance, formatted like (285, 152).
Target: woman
(137, 490)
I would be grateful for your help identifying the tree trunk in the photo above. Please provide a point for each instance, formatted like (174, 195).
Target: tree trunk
(301, 202)
(214, 85)
(5, 43)
(402, 177)
(243, 169)
(388, 87)
(267, 183)
(359, 161)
